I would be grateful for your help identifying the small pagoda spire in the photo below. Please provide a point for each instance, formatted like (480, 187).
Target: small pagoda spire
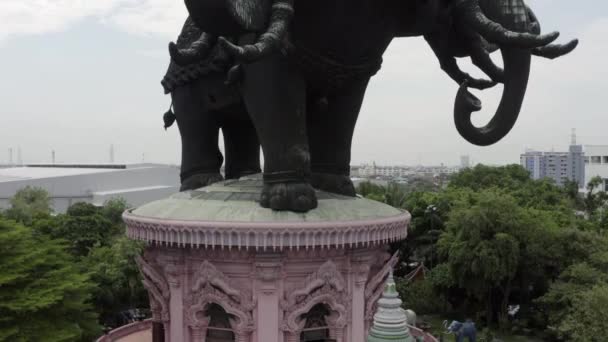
(390, 321)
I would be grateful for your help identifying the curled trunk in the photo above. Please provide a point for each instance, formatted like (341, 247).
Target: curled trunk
(517, 71)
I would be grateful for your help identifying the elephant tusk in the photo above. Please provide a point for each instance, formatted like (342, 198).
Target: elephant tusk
(553, 51)
(494, 32)
(550, 51)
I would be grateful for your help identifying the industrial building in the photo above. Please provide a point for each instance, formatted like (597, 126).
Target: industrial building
(68, 184)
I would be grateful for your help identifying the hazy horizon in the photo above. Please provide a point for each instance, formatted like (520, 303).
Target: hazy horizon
(78, 77)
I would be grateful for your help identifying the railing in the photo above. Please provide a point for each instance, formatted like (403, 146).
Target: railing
(126, 330)
(419, 332)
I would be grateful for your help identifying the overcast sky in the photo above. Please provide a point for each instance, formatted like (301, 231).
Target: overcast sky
(79, 75)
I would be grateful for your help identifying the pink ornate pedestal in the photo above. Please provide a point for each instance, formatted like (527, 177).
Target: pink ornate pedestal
(219, 268)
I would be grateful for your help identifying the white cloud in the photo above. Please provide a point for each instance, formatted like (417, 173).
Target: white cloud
(24, 17)
(155, 17)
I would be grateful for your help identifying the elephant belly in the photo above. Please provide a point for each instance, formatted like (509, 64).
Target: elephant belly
(350, 32)
(339, 42)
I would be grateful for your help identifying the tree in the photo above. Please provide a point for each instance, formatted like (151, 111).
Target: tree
(587, 320)
(117, 278)
(393, 194)
(113, 210)
(567, 298)
(367, 189)
(494, 249)
(83, 226)
(510, 177)
(43, 294)
(420, 296)
(596, 202)
(28, 203)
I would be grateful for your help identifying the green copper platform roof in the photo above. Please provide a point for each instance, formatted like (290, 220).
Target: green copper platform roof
(238, 201)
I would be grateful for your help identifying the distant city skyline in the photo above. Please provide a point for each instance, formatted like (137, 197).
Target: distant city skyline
(14, 155)
(81, 76)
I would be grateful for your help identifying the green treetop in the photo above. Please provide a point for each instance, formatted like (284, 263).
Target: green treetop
(43, 294)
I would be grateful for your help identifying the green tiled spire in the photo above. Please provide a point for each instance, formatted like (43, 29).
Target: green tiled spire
(390, 321)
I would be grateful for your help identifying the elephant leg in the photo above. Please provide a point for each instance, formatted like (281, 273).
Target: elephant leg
(275, 96)
(241, 144)
(330, 133)
(199, 130)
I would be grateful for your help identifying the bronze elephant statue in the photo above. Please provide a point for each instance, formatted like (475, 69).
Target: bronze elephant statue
(302, 68)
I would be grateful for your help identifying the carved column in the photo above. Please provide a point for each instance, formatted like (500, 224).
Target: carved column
(158, 291)
(241, 337)
(336, 327)
(337, 334)
(174, 275)
(360, 271)
(267, 272)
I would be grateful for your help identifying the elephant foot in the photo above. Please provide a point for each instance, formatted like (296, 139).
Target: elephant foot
(200, 180)
(337, 184)
(298, 197)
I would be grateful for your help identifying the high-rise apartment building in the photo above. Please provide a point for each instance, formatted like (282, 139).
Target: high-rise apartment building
(559, 166)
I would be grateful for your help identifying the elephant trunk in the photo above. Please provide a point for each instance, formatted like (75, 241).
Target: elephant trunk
(507, 24)
(517, 71)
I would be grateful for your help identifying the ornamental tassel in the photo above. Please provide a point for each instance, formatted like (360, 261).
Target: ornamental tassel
(169, 117)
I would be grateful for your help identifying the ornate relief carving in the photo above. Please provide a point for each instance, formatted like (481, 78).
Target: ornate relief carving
(325, 286)
(207, 273)
(173, 273)
(210, 285)
(158, 290)
(326, 275)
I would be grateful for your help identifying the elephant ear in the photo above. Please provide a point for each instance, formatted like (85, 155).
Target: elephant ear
(252, 15)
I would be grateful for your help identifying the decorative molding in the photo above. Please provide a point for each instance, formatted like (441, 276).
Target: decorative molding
(325, 286)
(126, 330)
(268, 268)
(267, 235)
(361, 273)
(375, 287)
(212, 286)
(158, 290)
(326, 275)
(173, 273)
(207, 273)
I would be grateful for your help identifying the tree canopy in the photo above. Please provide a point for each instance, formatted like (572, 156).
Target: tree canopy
(29, 203)
(83, 252)
(44, 295)
(494, 237)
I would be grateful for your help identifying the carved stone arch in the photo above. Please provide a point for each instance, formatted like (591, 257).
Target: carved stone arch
(337, 320)
(157, 287)
(326, 275)
(211, 286)
(207, 273)
(325, 286)
(243, 321)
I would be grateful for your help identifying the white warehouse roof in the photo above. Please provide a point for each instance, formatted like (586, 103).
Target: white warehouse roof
(68, 184)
